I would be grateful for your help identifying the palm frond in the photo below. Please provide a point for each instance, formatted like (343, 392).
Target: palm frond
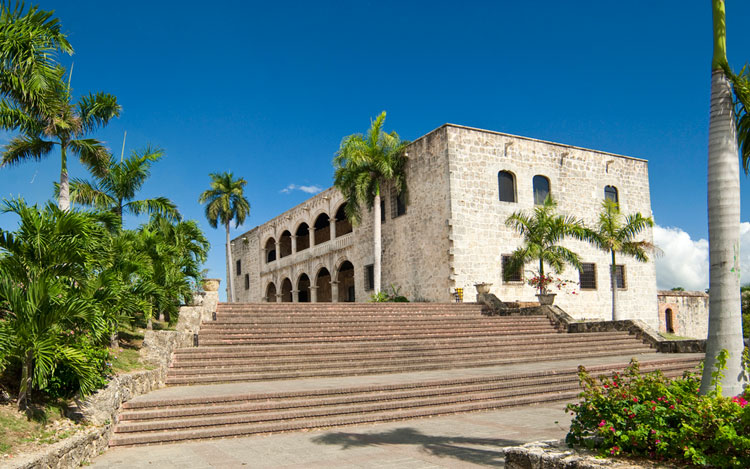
(23, 148)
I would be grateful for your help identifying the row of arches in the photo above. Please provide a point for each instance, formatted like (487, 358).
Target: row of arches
(506, 182)
(323, 229)
(323, 287)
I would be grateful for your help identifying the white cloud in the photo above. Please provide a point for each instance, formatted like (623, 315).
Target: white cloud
(685, 261)
(307, 189)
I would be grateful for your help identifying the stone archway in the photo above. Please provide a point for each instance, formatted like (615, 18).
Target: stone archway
(271, 293)
(343, 225)
(303, 237)
(345, 278)
(285, 244)
(270, 250)
(669, 320)
(322, 227)
(323, 283)
(286, 291)
(303, 289)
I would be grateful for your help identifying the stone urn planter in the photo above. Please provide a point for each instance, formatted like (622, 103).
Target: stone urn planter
(211, 284)
(482, 287)
(546, 299)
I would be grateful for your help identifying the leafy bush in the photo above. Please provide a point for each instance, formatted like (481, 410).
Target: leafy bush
(394, 296)
(651, 416)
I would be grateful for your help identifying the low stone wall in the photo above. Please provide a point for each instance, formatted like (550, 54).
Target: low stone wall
(102, 408)
(493, 306)
(555, 454)
(641, 330)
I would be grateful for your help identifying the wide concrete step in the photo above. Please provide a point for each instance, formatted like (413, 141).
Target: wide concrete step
(304, 357)
(165, 420)
(313, 338)
(359, 346)
(280, 372)
(223, 321)
(346, 330)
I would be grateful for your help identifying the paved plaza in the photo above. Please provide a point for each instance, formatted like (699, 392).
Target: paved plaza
(455, 441)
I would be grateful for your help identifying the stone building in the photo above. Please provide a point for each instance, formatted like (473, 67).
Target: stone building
(683, 313)
(463, 184)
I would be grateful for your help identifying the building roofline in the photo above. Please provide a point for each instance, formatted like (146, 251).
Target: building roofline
(564, 145)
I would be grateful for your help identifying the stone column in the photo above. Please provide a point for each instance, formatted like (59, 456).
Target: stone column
(311, 232)
(332, 224)
(334, 291)
(279, 298)
(313, 294)
(278, 250)
(295, 296)
(294, 244)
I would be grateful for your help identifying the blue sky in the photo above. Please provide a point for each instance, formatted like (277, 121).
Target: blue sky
(268, 89)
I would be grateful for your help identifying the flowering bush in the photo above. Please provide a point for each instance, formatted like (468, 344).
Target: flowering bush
(543, 284)
(652, 416)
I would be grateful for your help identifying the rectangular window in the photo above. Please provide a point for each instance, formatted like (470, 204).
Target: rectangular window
(369, 277)
(587, 276)
(247, 281)
(398, 204)
(382, 211)
(620, 277)
(511, 276)
(238, 270)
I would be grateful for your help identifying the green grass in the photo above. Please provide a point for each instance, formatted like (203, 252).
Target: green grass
(670, 336)
(23, 431)
(127, 359)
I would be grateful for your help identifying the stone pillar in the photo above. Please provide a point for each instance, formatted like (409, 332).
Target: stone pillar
(332, 224)
(279, 298)
(294, 244)
(334, 291)
(313, 294)
(295, 296)
(311, 232)
(278, 249)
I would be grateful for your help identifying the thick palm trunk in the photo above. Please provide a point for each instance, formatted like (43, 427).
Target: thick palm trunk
(613, 284)
(376, 242)
(63, 202)
(230, 280)
(725, 320)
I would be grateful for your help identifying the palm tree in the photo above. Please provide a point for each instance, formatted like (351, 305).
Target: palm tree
(542, 231)
(615, 234)
(364, 166)
(116, 189)
(225, 201)
(725, 317)
(64, 124)
(28, 44)
(43, 284)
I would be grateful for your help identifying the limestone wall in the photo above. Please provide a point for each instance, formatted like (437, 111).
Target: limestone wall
(577, 179)
(415, 245)
(688, 311)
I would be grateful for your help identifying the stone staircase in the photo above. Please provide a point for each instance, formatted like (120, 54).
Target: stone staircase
(281, 367)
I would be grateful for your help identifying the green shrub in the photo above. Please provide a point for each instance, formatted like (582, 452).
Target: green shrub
(649, 415)
(394, 296)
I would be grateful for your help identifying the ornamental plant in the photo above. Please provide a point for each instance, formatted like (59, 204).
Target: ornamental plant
(649, 415)
(548, 282)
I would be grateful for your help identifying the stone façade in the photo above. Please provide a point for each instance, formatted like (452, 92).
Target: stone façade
(453, 234)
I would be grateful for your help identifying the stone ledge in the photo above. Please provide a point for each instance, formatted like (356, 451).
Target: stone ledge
(493, 306)
(565, 323)
(555, 454)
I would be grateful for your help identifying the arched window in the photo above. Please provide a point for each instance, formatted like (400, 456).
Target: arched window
(270, 250)
(343, 225)
(506, 183)
(541, 189)
(322, 228)
(303, 237)
(610, 193)
(285, 244)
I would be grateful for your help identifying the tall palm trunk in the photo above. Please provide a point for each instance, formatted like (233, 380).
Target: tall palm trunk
(542, 286)
(27, 373)
(613, 284)
(725, 321)
(63, 201)
(229, 268)
(376, 242)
